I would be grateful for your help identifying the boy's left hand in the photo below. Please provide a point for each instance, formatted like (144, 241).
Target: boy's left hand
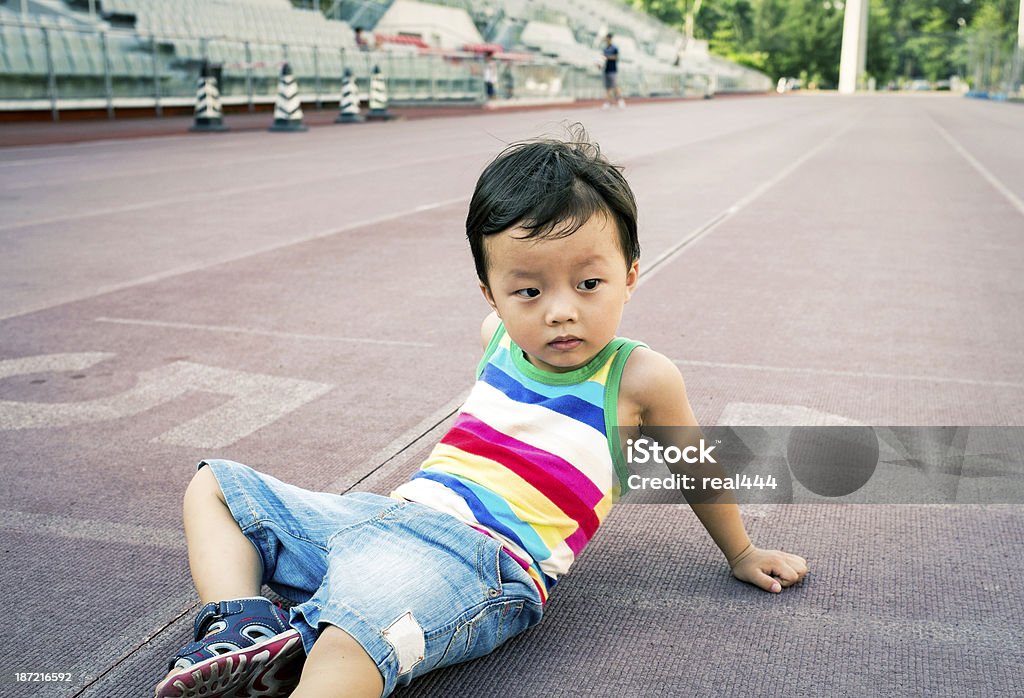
(770, 570)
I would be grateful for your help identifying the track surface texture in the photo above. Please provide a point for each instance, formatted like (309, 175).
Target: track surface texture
(306, 304)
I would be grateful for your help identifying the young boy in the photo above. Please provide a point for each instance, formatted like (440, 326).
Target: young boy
(463, 555)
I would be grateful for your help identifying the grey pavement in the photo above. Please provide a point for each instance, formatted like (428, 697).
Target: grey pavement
(306, 304)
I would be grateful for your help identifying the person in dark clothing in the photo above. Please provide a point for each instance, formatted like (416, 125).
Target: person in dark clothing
(611, 74)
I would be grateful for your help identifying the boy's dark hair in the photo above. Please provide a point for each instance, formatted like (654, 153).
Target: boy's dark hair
(550, 189)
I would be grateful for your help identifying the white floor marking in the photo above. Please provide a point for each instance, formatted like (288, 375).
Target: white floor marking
(208, 263)
(46, 363)
(982, 170)
(164, 170)
(400, 443)
(34, 525)
(256, 400)
(766, 414)
(853, 374)
(34, 161)
(675, 250)
(229, 329)
(218, 194)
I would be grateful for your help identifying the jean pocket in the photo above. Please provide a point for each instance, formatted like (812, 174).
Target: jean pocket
(483, 632)
(489, 553)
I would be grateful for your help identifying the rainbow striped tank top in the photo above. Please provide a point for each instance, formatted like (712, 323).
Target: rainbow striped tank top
(533, 458)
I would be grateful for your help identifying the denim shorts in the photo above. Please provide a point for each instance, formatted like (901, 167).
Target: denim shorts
(417, 588)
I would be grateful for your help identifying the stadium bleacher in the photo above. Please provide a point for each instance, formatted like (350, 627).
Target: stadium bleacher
(439, 26)
(557, 41)
(139, 49)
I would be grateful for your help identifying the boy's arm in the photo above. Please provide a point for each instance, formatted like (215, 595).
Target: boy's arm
(490, 324)
(657, 387)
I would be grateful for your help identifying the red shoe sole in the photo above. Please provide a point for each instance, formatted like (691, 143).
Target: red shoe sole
(266, 670)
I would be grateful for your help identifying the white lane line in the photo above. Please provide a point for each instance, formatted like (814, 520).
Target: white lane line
(678, 248)
(852, 374)
(35, 161)
(982, 170)
(231, 191)
(401, 443)
(206, 264)
(230, 329)
(32, 524)
(21, 186)
(136, 633)
(185, 166)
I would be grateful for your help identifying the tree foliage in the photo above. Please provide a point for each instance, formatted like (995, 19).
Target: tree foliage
(907, 39)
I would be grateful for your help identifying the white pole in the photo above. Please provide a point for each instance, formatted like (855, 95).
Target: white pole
(24, 7)
(854, 28)
(92, 10)
(1020, 26)
(862, 47)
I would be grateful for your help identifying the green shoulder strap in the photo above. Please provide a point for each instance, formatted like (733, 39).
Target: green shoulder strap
(611, 409)
(499, 332)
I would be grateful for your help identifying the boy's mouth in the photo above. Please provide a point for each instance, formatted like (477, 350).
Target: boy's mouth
(567, 343)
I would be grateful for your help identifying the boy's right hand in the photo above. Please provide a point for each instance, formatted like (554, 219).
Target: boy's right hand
(770, 570)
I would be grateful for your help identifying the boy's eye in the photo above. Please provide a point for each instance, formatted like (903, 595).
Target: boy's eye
(528, 292)
(589, 284)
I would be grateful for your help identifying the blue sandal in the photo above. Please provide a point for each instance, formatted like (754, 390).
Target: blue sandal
(243, 647)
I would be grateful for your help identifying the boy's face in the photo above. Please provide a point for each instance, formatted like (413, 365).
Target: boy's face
(561, 299)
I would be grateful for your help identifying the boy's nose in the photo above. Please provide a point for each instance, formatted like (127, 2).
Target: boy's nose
(560, 311)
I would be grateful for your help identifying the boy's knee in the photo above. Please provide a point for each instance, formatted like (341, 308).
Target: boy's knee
(204, 484)
(336, 642)
(338, 665)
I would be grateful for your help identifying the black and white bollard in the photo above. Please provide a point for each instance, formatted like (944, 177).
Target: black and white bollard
(288, 107)
(349, 112)
(209, 116)
(378, 97)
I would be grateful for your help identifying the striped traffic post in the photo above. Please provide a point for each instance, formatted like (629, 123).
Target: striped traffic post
(209, 116)
(349, 112)
(378, 97)
(288, 107)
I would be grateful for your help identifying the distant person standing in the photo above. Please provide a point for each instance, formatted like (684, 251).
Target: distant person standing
(490, 74)
(611, 74)
(361, 41)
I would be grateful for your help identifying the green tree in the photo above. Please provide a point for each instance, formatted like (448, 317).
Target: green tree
(730, 26)
(906, 38)
(813, 32)
(670, 12)
(989, 47)
(928, 50)
(880, 61)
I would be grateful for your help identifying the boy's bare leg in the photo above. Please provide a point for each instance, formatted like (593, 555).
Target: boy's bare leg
(224, 563)
(337, 667)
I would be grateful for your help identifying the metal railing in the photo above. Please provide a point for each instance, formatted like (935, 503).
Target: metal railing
(995, 65)
(64, 67)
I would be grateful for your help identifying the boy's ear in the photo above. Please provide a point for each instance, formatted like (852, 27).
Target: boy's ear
(632, 278)
(484, 289)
